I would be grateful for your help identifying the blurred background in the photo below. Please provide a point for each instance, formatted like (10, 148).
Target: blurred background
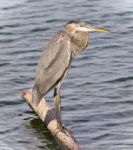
(97, 96)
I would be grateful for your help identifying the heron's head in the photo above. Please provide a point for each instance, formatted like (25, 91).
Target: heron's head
(79, 26)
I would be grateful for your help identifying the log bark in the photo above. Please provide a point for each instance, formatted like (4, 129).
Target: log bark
(64, 138)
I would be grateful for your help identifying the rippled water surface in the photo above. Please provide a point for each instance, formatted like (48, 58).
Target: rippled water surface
(97, 96)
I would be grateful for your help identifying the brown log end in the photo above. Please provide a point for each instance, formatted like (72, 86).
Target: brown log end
(64, 139)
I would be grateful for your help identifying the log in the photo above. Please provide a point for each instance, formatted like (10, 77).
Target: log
(64, 138)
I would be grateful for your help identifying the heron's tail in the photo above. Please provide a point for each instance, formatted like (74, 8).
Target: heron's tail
(36, 95)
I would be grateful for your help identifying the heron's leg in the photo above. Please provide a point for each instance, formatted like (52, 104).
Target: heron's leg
(57, 101)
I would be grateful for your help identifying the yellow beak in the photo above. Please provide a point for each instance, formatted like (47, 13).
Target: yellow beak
(92, 29)
(95, 29)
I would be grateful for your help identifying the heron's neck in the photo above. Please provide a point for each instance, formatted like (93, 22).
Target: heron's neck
(79, 42)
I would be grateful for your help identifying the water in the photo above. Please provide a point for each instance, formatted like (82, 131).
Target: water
(97, 99)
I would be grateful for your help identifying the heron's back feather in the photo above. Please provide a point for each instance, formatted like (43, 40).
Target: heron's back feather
(53, 63)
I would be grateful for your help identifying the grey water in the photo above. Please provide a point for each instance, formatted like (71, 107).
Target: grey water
(97, 95)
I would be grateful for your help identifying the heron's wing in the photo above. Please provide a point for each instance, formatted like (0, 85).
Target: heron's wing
(53, 63)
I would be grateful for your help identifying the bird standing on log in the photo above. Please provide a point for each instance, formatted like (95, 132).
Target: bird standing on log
(56, 60)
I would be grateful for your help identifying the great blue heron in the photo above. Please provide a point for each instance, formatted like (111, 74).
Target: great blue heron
(56, 60)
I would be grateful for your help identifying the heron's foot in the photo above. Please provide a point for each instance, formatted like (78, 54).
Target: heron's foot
(58, 129)
(64, 130)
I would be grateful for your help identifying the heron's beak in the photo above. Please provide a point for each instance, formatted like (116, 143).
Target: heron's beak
(92, 29)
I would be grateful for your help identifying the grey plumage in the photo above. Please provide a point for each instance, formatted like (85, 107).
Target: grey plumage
(56, 60)
(52, 65)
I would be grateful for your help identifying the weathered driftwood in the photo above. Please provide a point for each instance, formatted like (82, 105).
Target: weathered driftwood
(64, 138)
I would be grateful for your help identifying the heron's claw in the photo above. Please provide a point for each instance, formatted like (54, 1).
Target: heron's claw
(58, 129)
